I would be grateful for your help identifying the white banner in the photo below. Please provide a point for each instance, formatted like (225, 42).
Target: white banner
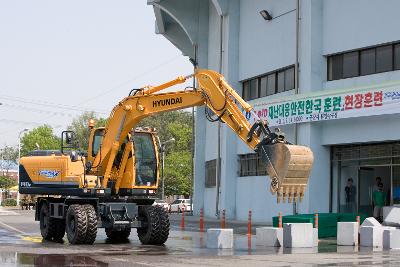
(330, 105)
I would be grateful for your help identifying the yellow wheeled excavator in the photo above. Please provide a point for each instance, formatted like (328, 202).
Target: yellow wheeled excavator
(114, 185)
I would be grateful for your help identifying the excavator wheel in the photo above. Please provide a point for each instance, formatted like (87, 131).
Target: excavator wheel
(76, 224)
(59, 225)
(50, 228)
(91, 231)
(47, 226)
(156, 229)
(118, 236)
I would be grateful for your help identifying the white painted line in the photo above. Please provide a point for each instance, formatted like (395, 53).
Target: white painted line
(12, 228)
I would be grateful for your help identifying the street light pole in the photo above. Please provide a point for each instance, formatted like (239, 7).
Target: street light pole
(19, 157)
(162, 148)
(162, 171)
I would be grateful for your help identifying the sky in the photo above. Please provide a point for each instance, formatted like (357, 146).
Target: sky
(60, 58)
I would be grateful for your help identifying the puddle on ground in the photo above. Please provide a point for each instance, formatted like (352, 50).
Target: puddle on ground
(26, 259)
(180, 243)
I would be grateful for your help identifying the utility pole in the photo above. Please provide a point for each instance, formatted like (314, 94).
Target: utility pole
(162, 148)
(19, 157)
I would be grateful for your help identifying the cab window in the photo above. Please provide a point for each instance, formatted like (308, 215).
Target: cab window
(146, 161)
(97, 138)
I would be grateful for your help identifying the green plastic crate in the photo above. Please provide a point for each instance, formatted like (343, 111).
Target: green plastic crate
(291, 219)
(351, 217)
(327, 232)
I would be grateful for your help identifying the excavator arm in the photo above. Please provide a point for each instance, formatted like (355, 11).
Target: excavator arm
(288, 165)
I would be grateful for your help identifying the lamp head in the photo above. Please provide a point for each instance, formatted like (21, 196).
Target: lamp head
(265, 14)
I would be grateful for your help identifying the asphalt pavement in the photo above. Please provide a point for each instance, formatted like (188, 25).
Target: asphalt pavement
(22, 245)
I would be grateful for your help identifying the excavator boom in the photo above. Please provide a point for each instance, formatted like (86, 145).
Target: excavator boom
(288, 165)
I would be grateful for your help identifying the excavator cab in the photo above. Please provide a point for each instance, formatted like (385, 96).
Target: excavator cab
(146, 158)
(137, 159)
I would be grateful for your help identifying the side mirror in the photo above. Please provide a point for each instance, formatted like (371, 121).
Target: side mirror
(67, 141)
(68, 138)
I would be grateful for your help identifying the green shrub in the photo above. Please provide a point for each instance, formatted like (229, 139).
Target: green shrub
(9, 202)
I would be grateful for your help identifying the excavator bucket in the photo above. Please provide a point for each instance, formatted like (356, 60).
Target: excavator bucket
(289, 168)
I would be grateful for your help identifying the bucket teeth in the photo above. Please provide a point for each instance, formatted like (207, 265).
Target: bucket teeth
(279, 195)
(290, 194)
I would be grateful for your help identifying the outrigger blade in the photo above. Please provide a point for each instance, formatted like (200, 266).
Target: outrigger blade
(289, 167)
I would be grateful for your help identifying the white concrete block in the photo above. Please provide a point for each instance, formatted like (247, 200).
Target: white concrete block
(298, 235)
(219, 238)
(391, 216)
(315, 237)
(370, 221)
(391, 239)
(347, 233)
(312, 250)
(346, 249)
(269, 236)
(388, 228)
(371, 236)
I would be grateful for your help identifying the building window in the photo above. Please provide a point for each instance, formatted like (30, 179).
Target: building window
(364, 62)
(350, 64)
(367, 63)
(251, 165)
(335, 67)
(254, 89)
(263, 86)
(289, 79)
(268, 84)
(271, 84)
(211, 173)
(281, 81)
(397, 57)
(384, 58)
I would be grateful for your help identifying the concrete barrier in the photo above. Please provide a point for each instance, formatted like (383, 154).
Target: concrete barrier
(315, 237)
(269, 236)
(370, 221)
(219, 238)
(391, 238)
(371, 236)
(298, 235)
(391, 216)
(347, 234)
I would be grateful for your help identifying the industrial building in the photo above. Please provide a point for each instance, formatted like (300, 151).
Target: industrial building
(325, 71)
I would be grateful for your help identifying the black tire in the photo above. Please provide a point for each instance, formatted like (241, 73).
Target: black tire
(156, 230)
(47, 227)
(76, 224)
(59, 232)
(91, 231)
(118, 235)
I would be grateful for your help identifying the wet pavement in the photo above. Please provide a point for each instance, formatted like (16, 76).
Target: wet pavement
(21, 245)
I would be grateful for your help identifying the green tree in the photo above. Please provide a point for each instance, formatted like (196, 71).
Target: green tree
(80, 125)
(9, 157)
(177, 173)
(6, 183)
(163, 121)
(43, 136)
